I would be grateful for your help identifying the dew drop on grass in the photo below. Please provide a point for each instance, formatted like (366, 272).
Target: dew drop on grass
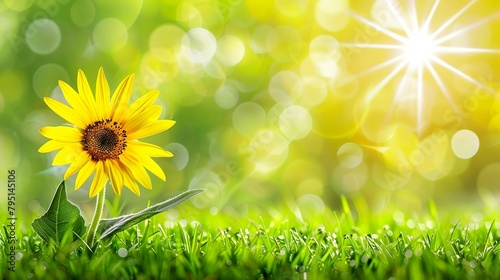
(410, 223)
(454, 220)
(430, 225)
(183, 223)
(477, 217)
(321, 228)
(398, 216)
(364, 258)
(213, 210)
(169, 224)
(195, 224)
(173, 214)
(408, 254)
(122, 252)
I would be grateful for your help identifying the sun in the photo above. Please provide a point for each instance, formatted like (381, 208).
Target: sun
(419, 52)
(419, 48)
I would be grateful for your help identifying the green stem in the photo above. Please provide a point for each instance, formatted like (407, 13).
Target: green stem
(97, 217)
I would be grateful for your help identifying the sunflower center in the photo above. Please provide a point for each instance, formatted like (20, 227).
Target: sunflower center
(105, 139)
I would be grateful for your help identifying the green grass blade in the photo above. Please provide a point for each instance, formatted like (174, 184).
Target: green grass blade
(109, 227)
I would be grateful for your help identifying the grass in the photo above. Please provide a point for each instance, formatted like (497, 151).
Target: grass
(275, 245)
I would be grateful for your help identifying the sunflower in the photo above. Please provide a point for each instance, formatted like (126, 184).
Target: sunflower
(104, 136)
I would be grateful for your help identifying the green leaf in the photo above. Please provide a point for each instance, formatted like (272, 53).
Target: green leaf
(110, 227)
(61, 217)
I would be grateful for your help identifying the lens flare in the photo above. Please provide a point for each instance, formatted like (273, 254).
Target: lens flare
(419, 49)
(419, 53)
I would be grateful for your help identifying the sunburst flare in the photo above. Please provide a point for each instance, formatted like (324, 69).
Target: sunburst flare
(418, 50)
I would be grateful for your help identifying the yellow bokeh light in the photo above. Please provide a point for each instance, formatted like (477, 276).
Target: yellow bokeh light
(110, 34)
(164, 41)
(465, 144)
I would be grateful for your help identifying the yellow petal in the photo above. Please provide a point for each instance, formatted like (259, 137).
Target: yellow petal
(86, 93)
(152, 129)
(140, 174)
(75, 100)
(62, 133)
(121, 97)
(99, 181)
(63, 158)
(143, 103)
(67, 154)
(115, 176)
(65, 112)
(152, 166)
(143, 119)
(128, 179)
(149, 163)
(78, 162)
(85, 173)
(102, 95)
(51, 145)
(149, 149)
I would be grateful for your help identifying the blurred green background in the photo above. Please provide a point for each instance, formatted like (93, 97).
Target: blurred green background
(268, 101)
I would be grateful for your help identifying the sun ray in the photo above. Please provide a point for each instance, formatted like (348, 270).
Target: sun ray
(442, 87)
(373, 69)
(460, 73)
(428, 20)
(420, 97)
(372, 46)
(402, 86)
(466, 28)
(386, 31)
(380, 66)
(452, 19)
(414, 16)
(462, 50)
(384, 82)
(419, 53)
(393, 10)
